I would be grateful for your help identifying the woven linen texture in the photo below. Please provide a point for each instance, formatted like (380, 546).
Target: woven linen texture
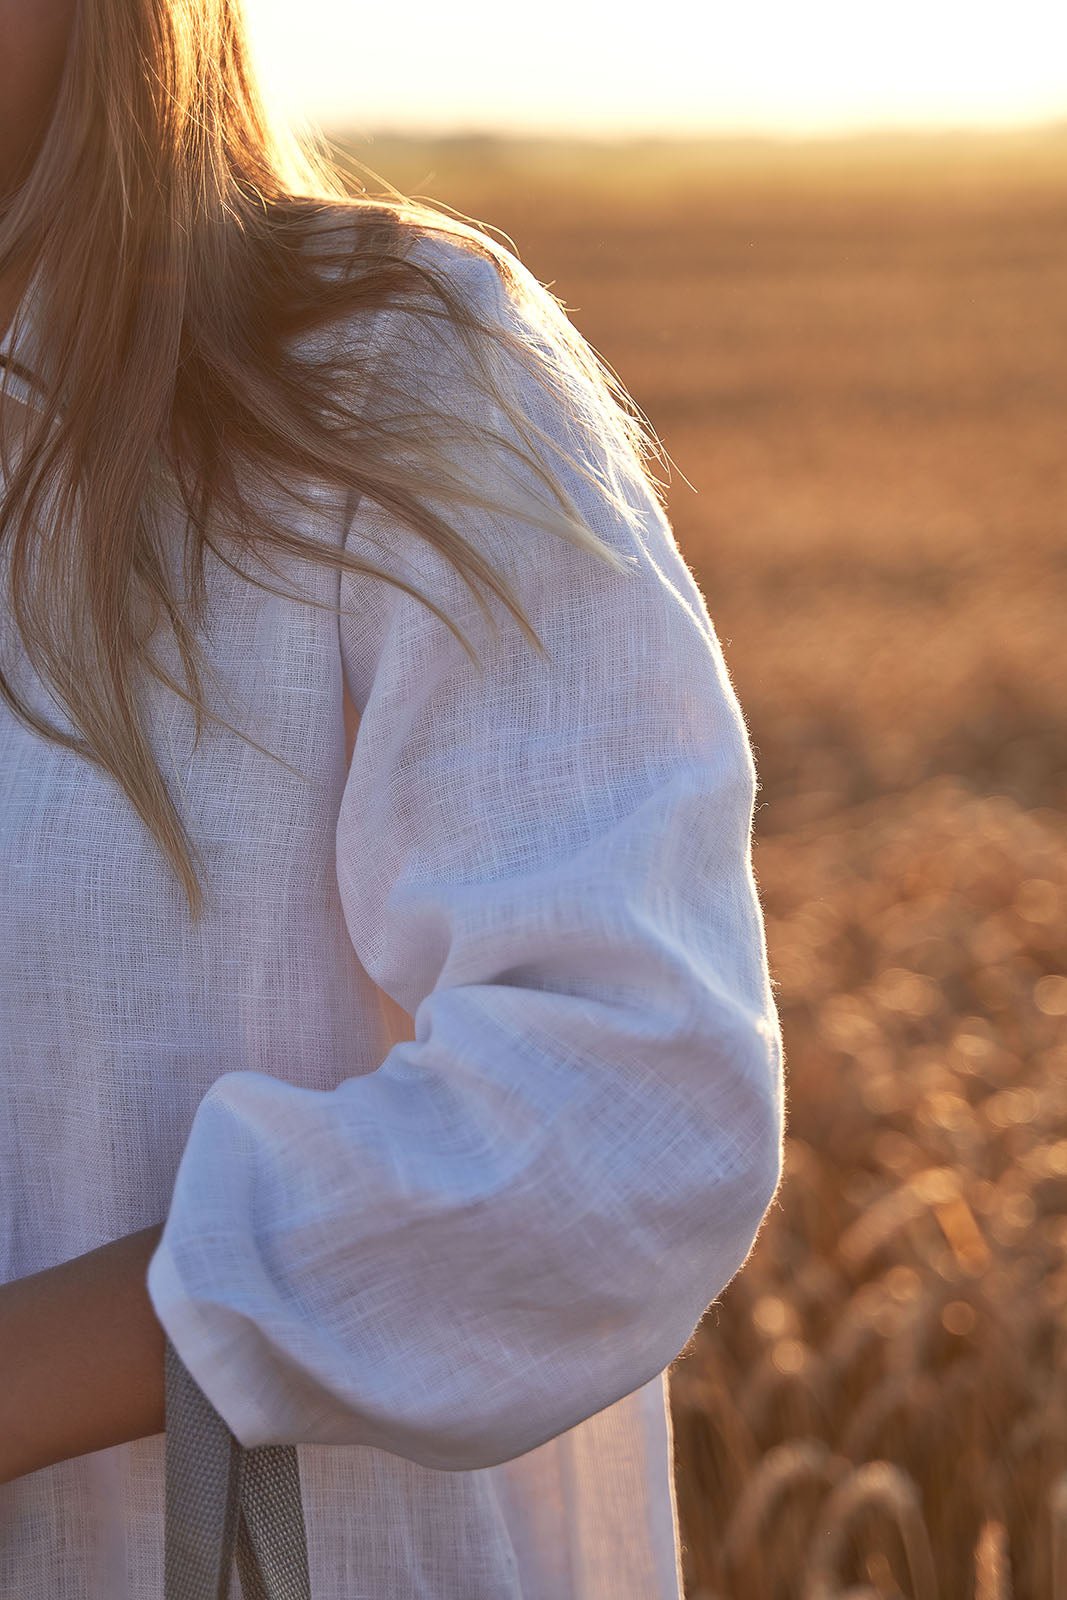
(450, 1269)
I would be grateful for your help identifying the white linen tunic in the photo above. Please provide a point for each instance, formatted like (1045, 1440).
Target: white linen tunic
(450, 1260)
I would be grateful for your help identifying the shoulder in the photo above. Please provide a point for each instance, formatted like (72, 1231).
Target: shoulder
(371, 244)
(490, 283)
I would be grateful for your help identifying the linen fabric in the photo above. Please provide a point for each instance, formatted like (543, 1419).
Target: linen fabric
(465, 1097)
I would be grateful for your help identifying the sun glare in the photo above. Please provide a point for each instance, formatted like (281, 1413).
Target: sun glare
(782, 68)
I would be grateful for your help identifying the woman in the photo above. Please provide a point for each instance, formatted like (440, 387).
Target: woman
(273, 780)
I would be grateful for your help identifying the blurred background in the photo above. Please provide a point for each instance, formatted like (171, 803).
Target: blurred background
(825, 249)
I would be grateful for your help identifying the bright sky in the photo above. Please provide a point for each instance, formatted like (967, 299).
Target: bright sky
(779, 66)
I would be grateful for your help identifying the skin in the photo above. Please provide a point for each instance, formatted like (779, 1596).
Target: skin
(81, 1348)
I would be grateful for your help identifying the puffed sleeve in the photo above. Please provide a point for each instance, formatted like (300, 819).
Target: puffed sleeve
(521, 1215)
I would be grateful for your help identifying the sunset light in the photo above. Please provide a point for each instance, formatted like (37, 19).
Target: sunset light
(559, 67)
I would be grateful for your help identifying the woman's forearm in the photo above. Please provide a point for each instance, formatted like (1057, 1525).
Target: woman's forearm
(81, 1357)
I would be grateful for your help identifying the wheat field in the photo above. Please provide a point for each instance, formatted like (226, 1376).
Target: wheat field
(855, 353)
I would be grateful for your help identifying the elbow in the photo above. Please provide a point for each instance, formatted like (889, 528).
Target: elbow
(768, 1119)
(754, 1129)
(746, 1198)
(730, 1164)
(657, 1269)
(758, 1176)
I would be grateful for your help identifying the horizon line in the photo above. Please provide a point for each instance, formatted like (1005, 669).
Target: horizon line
(503, 134)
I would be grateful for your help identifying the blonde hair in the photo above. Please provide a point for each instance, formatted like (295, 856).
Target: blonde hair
(178, 239)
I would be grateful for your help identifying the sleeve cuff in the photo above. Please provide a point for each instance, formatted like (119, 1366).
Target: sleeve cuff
(211, 1357)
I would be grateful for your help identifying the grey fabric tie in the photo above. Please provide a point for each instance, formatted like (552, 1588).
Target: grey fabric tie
(224, 1502)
